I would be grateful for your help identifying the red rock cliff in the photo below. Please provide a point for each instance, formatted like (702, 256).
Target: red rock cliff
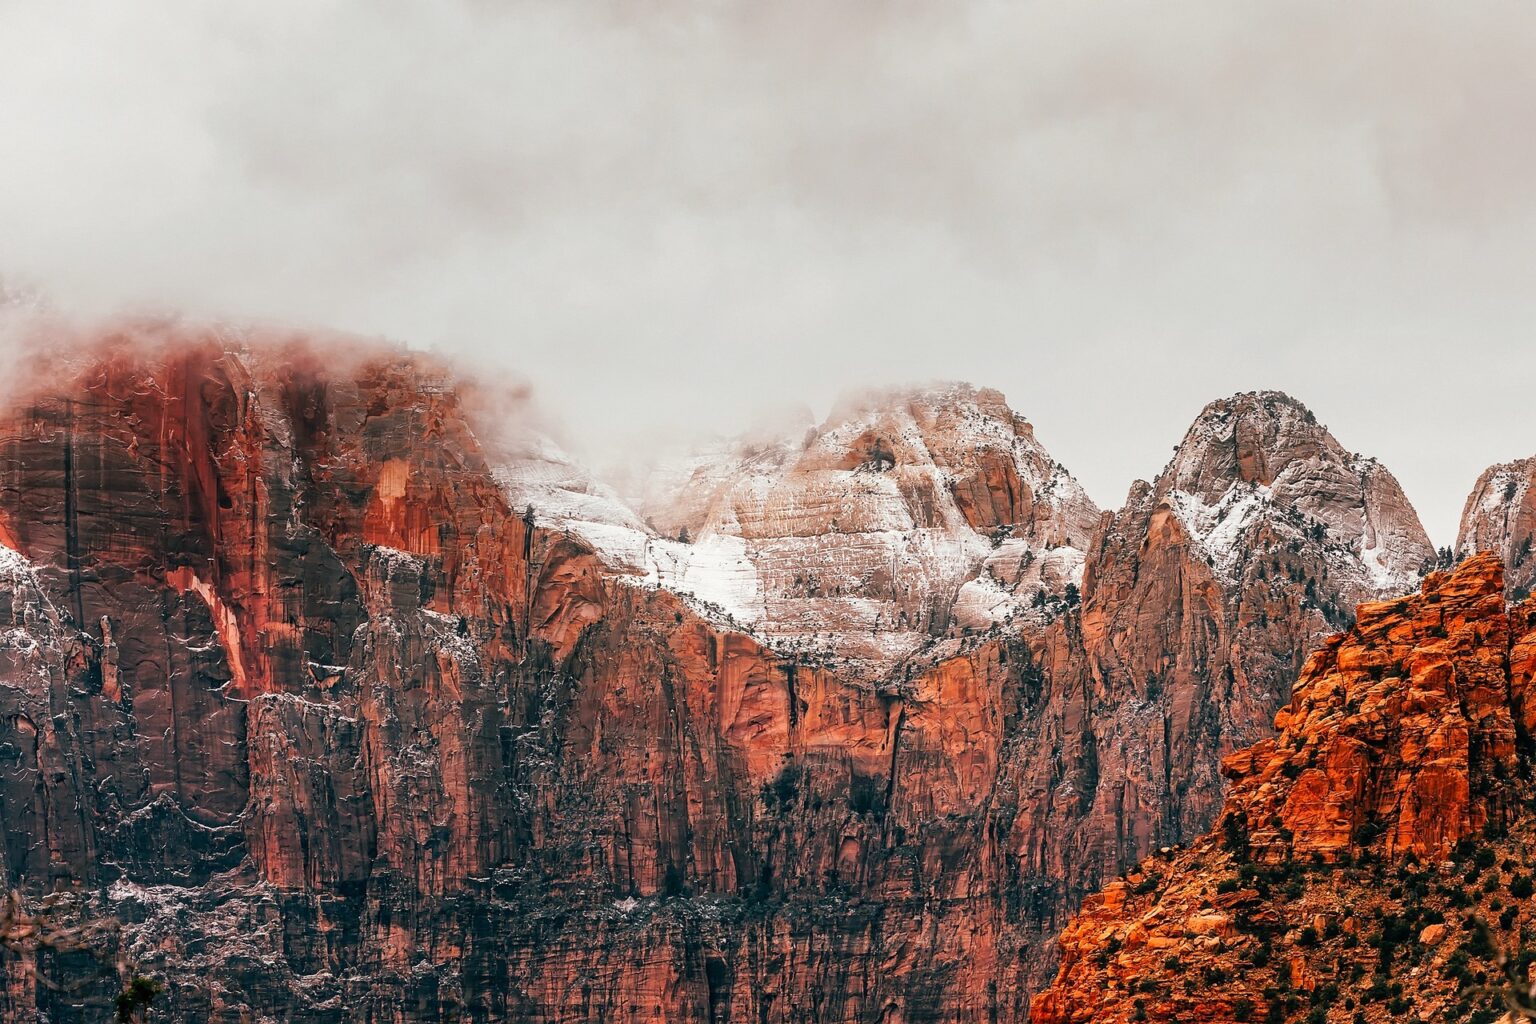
(1396, 783)
(337, 731)
(342, 734)
(1202, 598)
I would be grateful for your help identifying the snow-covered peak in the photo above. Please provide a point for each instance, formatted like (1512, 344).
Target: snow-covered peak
(997, 471)
(1262, 461)
(1251, 437)
(908, 514)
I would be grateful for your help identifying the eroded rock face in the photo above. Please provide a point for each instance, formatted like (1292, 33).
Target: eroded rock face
(1399, 752)
(1402, 726)
(1258, 466)
(345, 733)
(1500, 515)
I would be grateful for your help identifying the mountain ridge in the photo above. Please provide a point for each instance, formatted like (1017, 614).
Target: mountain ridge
(308, 667)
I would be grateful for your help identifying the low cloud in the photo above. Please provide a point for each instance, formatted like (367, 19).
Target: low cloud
(666, 214)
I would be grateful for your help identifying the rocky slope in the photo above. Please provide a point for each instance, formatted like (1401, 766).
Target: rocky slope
(1373, 859)
(1500, 515)
(296, 686)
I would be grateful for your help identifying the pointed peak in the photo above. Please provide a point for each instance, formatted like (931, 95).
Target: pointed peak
(1514, 472)
(1261, 457)
(1250, 437)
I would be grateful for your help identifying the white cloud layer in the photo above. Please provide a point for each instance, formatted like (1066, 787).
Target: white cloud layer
(667, 214)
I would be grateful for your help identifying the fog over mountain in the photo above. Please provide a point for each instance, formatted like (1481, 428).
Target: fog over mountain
(667, 215)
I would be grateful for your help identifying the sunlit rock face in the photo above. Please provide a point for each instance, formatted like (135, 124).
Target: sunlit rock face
(348, 714)
(1500, 515)
(1391, 806)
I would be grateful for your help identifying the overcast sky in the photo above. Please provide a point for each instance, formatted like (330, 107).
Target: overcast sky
(667, 214)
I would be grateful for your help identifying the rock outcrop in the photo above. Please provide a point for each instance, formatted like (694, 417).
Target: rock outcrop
(298, 688)
(1370, 859)
(1500, 515)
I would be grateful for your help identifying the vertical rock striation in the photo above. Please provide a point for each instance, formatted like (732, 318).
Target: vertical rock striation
(1202, 598)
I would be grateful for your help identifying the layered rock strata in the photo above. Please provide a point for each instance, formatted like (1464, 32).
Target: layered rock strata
(904, 518)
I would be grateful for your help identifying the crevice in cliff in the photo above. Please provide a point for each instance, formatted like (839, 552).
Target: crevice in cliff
(895, 741)
(173, 727)
(1088, 771)
(676, 840)
(717, 974)
(71, 517)
(530, 574)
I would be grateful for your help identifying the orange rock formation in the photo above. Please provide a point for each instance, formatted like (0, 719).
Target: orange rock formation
(1399, 777)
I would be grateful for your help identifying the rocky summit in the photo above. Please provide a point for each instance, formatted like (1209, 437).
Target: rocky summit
(326, 695)
(1202, 598)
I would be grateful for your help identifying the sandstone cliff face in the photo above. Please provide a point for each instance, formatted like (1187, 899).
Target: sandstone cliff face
(907, 516)
(291, 689)
(297, 686)
(1500, 515)
(1337, 885)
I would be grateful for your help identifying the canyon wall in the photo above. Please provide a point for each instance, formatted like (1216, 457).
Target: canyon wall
(298, 688)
